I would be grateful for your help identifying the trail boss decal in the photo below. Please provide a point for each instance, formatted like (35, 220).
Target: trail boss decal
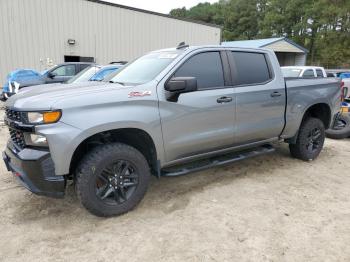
(139, 94)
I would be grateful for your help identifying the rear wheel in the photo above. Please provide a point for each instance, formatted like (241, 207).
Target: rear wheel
(310, 140)
(112, 179)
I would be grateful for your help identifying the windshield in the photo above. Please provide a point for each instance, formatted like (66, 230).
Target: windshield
(84, 75)
(291, 72)
(103, 73)
(145, 68)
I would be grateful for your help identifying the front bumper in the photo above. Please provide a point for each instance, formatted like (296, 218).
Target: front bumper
(35, 170)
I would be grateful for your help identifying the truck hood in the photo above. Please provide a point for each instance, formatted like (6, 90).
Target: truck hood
(43, 97)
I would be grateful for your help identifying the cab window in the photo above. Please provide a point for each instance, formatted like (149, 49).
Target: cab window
(66, 70)
(206, 68)
(309, 73)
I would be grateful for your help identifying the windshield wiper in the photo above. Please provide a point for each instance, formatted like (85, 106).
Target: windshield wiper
(120, 83)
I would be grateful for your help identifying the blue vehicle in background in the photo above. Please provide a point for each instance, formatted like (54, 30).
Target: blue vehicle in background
(20, 78)
(95, 73)
(28, 77)
(105, 72)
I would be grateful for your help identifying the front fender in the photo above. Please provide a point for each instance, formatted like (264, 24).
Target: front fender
(80, 123)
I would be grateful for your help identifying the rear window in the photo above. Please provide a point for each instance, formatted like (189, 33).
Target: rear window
(319, 73)
(251, 68)
(291, 72)
(309, 73)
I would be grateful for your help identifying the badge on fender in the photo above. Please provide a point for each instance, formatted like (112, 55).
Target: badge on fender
(139, 94)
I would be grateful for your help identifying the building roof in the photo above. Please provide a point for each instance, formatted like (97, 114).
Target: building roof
(154, 13)
(259, 43)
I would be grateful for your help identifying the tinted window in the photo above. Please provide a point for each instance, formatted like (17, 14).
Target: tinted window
(83, 66)
(66, 70)
(206, 67)
(319, 73)
(309, 73)
(251, 68)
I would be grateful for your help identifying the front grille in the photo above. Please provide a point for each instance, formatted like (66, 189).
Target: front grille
(17, 138)
(13, 115)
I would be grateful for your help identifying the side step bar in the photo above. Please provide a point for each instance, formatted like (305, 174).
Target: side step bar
(216, 161)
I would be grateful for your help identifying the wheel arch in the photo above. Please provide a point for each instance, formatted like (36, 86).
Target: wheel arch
(320, 110)
(135, 137)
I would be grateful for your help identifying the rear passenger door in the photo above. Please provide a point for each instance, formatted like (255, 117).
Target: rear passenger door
(201, 121)
(260, 97)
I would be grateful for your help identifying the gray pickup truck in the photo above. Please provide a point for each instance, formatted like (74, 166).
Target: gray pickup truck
(168, 113)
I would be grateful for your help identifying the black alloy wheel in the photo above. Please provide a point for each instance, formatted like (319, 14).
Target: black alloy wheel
(117, 182)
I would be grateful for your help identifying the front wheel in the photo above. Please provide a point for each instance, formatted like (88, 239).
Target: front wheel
(112, 179)
(310, 140)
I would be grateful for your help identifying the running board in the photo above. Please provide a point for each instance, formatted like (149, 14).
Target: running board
(216, 161)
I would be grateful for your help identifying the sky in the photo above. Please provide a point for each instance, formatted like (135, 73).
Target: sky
(160, 6)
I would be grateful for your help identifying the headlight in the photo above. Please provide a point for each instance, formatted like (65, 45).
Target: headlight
(43, 117)
(35, 140)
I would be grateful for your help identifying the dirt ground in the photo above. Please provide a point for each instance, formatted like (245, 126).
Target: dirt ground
(270, 208)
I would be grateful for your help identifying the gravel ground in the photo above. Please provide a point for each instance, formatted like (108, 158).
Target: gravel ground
(270, 208)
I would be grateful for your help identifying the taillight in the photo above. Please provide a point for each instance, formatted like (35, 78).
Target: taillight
(342, 90)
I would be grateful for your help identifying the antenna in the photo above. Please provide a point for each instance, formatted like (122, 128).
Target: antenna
(182, 45)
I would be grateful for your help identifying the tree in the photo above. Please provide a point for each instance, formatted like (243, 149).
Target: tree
(322, 26)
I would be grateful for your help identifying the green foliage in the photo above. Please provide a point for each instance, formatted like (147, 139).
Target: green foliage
(322, 26)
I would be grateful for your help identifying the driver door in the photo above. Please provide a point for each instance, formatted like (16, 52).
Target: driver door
(61, 74)
(201, 121)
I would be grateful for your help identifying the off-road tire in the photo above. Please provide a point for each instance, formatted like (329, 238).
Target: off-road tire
(340, 133)
(92, 166)
(300, 148)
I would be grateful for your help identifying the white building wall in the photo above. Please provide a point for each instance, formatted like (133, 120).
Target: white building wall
(32, 32)
(300, 59)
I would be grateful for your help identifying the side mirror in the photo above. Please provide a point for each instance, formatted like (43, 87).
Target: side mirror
(181, 84)
(51, 75)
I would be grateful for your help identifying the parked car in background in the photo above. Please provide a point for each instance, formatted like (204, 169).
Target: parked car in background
(342, 73)
(84, 75)
(303, 71)
(95, 73)
(28, 77)
(63, 72)
(20, 78)
(105, 72)
(90, 74)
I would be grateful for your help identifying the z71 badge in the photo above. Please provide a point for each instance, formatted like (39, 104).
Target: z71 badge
(139, 94)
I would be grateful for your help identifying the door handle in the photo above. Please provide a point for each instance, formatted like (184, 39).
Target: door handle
(275, 94)
(224, 99)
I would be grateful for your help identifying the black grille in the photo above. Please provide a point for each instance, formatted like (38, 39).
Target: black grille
(13, 115)
(17, 138)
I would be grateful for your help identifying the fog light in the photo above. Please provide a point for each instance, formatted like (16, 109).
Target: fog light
(36, 140)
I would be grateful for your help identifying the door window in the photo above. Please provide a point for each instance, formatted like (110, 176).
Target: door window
(206, 68)
(309, 73)
(66, 70)
(319, 73)
(251, 68)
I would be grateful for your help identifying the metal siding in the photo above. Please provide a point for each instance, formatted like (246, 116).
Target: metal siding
(283, 46)
(32, 31)
(300, 59)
